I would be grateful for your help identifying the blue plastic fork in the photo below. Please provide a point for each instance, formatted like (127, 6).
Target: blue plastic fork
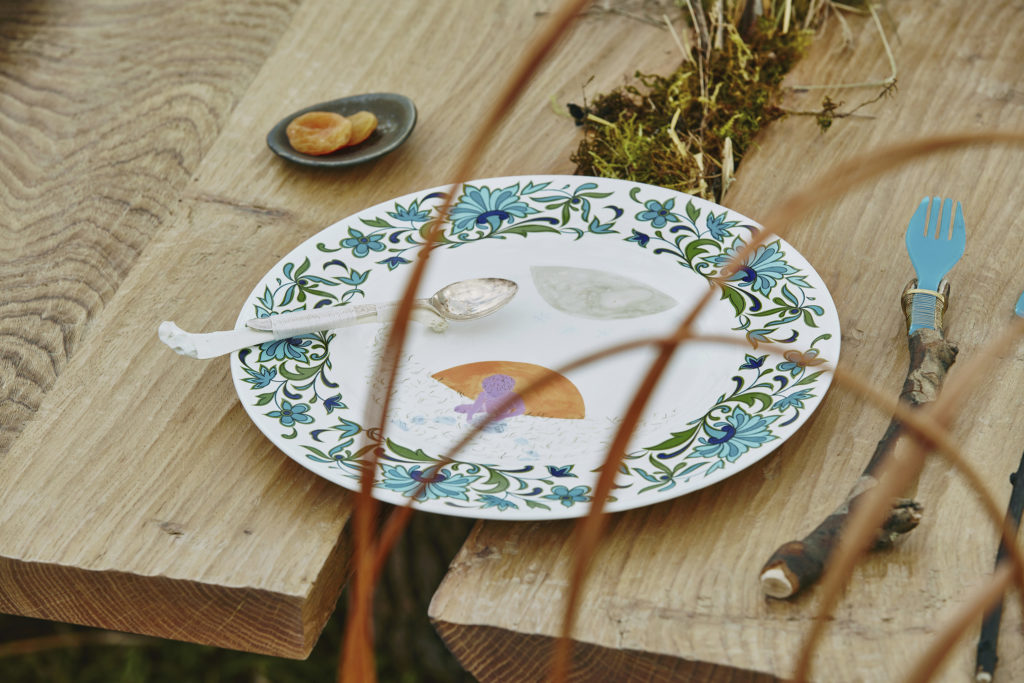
(934, 247)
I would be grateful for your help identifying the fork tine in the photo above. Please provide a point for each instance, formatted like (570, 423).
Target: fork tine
(959, 227)
(946, 226)
(933, 219)
(920, 218)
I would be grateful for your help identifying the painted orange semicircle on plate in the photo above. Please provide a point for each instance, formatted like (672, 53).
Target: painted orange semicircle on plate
(558, 398)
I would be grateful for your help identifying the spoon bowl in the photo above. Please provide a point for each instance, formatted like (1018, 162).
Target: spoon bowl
(471, 299)
(396, 117)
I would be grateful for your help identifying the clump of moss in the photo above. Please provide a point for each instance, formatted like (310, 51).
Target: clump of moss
(673, 130)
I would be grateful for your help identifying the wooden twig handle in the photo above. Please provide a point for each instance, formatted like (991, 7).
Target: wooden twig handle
(798, 564)
(989, 638)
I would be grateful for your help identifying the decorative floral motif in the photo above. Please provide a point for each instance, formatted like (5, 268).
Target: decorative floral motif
(639, 237)
(794, 400)
(761, 271)
(718, 227)
(291, 384)
(261, 378)
(502, 504)
(569, 497)
(658, 214)
(767, 292)
(796, 361)
(736, 435)
(425, 484)
(361, 244)
(288, 414)
(414, 214)
(740, 421)
(481, 207)
(293, 348)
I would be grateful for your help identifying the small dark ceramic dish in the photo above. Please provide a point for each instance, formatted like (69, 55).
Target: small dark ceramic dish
(396, 117)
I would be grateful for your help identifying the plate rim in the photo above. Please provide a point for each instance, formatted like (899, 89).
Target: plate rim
(830, 325)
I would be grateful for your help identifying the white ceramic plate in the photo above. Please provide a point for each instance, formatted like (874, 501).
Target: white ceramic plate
(598, 262)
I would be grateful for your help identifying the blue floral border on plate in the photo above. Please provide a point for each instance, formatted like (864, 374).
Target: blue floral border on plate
(772, 300)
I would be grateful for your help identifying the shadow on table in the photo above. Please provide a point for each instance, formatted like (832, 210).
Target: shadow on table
(408, 649)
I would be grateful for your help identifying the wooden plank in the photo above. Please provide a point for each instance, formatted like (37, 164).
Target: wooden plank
(133, 475)
(677, 582)
(105, 112)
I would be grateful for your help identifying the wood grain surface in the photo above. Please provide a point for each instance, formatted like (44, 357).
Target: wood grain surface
(135, 187)
(674, 588)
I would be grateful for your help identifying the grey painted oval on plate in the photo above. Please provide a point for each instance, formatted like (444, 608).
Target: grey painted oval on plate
(589, 293)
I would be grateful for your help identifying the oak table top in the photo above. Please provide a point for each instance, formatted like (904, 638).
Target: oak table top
(137, 187)
(673, 593)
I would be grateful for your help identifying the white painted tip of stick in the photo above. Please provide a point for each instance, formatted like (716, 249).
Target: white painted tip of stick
(775, 583)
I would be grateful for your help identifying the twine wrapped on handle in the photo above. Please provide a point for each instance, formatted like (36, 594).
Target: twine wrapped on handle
(798, 564)
(933, 308)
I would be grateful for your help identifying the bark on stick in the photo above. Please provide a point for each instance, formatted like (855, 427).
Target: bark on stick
(798, 564)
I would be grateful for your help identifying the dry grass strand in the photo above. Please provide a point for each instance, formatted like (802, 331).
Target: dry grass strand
(357, 664)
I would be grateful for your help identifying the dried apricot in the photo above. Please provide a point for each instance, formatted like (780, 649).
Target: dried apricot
(363, 124)
(318, 132)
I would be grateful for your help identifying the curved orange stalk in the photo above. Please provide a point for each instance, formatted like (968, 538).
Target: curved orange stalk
(357, 653)
(914, 422)
(829, 186)
(923, 426)
(893, 476)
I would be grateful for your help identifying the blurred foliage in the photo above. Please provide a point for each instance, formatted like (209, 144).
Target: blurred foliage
(153, 660)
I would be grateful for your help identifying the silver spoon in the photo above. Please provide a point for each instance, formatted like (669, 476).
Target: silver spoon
(459, 301)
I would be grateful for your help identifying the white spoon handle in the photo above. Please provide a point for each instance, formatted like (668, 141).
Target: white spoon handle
(325, 318)
(213, 344)
(209, 344)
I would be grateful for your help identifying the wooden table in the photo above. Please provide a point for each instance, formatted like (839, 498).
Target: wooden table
(136, 494)
(137, 187)
(673, 594)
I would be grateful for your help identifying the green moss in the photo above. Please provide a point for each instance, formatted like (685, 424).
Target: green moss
(732, 94)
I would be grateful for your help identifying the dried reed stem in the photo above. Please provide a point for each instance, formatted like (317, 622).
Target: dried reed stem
(883, 83)
(841, 179)
(896, 473)
(681, 43)
(357, 654)
(357, 664)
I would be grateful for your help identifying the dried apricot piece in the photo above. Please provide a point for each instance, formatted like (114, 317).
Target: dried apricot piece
(318, 132)
(363, 124)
